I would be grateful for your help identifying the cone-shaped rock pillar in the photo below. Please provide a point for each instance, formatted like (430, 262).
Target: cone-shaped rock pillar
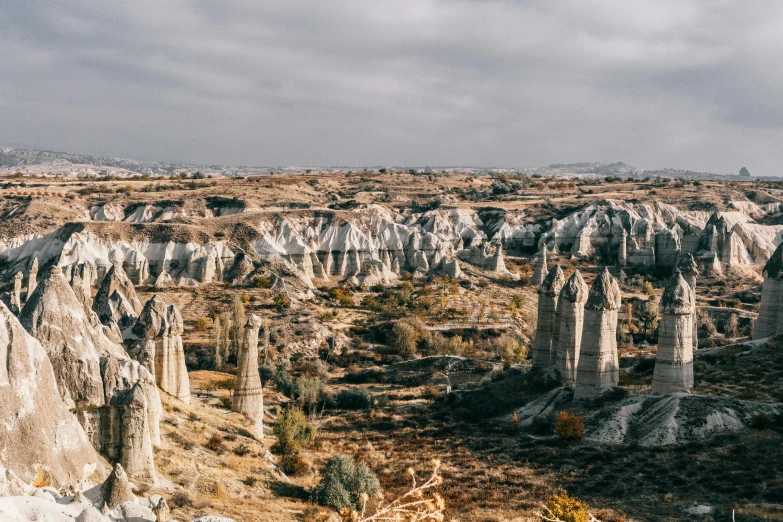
(248, 396)
(770, 310)
(690, 271)
(16, 296)
(598, 369)
(572, 312)
(116, 301)
(543, 348)
(674, 359)
(540, 272)
(116, 489)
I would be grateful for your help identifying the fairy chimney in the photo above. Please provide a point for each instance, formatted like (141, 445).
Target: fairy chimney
(674, 359)
(690, 270)
(543, 349)
(540, 272)
(622, 253)
(572, 311)
(159, 347)
(598, 369)
(770, 310)
(248, 397)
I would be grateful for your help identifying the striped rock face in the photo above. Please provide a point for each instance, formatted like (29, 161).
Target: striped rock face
(248, 397)
(598, 368)
(674, 359)
(548, 321)
(572, 311)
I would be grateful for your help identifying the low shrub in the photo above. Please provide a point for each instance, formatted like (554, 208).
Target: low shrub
(201, 324)
(567, 509)
(293, 430)
(569, 427)
(355, 399)
(343, 481)
(759, 420)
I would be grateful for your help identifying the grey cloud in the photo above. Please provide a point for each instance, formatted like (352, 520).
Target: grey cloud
(687, 84)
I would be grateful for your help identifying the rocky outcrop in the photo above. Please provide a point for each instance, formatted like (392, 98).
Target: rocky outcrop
(116, 301)
(131, 442)
(116, 489)
(94, 375)
(598, 369)
(622, 250)
(770, 311)
(544, 352)
(136, 267)
(156, 342)
(248, 396)
(572, 310)
(37, 432)
(690, 271)
(674, 358)
(16, 295)
(540, 272)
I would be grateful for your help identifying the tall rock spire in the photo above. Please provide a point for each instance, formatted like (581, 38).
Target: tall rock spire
(622, 253)
(248, 395)
(598, 369)
(16, 296)
(159, 330)
(770, 309)
(674, 359)
(572, 311)
(543, 349)
(541, 271)
(690, 271)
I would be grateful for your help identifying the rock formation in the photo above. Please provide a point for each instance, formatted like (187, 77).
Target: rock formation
(674, 359)
(36, 429)
(16, 295)
(116, 489)
(248, 395)
(543, 349)
(540, 272)
(116, 301)
(157, 344)
(572, 311)
(94, 375)
(770, 311)
(690, 270)
(598, 369)
(131, 442)
(32, 275)
(622, 251)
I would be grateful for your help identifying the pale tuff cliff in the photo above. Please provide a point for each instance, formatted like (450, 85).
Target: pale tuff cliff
(94, 375)
(36, 429)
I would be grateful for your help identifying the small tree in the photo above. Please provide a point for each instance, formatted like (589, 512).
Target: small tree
(569, 427)
(405, 337)
(648, 314)
(238, 320)
(217, 329)
(281, 301)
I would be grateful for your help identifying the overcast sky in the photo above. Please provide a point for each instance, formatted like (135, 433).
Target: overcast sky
(692, 84)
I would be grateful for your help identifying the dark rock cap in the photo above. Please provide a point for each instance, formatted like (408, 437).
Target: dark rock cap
(687, 265)
(553, 282)
(605, 293)
(677, 296)
(575, 289)
(773, 267)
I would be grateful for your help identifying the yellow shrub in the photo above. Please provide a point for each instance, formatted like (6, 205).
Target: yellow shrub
(569, 427)
(568, 509)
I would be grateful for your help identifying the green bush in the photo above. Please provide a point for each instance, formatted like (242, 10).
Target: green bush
(355, 399)
(293, 430)
(308, 391)
(343, 480)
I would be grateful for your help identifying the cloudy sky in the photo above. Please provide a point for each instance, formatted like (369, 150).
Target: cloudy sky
(692, 84)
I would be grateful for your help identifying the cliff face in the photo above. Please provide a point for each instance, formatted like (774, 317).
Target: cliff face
(36, 428)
